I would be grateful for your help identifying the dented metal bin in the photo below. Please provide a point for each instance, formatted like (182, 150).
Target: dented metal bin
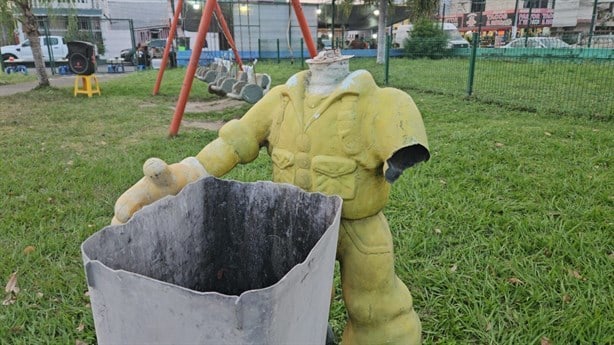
(223, 262)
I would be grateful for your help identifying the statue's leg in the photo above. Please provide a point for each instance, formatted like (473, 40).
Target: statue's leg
(380, 308)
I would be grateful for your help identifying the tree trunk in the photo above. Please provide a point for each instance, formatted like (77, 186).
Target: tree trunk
(381, 31)
(30, 28)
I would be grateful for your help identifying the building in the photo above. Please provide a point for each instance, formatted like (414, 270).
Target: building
(255, 25)
(112, 25)
(115, 25)
(501, 20)
(127, 23)
(60, 17)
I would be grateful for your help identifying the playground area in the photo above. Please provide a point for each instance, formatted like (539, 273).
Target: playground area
(505, 231)
(502, 237)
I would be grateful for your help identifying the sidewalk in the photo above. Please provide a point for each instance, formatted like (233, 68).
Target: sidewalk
(59, 80)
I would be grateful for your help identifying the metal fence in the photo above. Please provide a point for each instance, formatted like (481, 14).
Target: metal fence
(550, 82)
(565, 81)
(571, 81)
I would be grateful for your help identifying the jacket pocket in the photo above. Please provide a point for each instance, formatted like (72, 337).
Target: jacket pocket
(335, 176)
(283, 161)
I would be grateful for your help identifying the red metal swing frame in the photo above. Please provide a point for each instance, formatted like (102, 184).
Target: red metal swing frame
(211, 7)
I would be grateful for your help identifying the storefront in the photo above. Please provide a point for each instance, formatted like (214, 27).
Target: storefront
(496, 26)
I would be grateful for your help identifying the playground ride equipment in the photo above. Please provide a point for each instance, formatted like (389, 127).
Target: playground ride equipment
(211, 7)
(209, 73)
(229, 78)
(253, 88)
(226, 79)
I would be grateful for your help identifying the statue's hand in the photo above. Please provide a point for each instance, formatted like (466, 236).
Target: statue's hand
(159, 181)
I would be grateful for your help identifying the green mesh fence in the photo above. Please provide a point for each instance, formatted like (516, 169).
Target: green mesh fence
(282, 48)
(444, 76)
(572, 81)
(561, 81)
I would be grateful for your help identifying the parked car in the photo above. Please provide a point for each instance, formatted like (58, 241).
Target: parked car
(23, 51)
(128, 55)
(537, 42)
(455, 39)
(156, 47)
(598, 41)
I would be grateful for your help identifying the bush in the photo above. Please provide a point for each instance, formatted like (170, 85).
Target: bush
(427, 39)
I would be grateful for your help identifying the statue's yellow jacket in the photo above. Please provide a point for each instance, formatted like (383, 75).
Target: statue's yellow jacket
(352, 142)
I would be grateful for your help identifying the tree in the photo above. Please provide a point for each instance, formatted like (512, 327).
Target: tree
(29, 23)
(7, 24)
(30, 27)
(381, 31)
(422, 9)
(427, 39)
(419, 9)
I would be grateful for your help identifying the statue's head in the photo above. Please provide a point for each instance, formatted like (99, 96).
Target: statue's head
(331, 61)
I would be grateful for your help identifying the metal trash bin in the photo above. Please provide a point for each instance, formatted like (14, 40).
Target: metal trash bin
(223, 262)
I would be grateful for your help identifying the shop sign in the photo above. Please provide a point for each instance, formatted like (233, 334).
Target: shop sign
(539, 17)
(454, 20)
(492, 19)
(472, 20)
(500, 19)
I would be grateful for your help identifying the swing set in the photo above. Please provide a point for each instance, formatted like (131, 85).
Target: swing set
(211, 8)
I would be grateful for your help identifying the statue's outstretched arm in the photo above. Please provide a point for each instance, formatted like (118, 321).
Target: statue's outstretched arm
(239, 141)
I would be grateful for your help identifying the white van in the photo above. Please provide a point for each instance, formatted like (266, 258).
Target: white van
(455, 40)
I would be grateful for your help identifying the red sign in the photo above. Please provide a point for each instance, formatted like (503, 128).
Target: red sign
(540, 17)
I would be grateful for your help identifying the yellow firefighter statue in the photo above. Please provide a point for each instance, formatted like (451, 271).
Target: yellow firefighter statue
(331, 131)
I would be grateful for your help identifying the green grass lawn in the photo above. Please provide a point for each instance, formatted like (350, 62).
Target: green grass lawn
(504, 237)
(14, 78)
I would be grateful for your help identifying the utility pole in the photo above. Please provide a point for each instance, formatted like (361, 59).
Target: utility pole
(526, 35)
(332, 35)
(593, 20)
(515, 26)
(443, 15)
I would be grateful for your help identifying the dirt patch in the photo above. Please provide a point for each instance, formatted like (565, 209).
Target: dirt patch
(147, 105)
(209, 125)
(216, 105)
(203, 107)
